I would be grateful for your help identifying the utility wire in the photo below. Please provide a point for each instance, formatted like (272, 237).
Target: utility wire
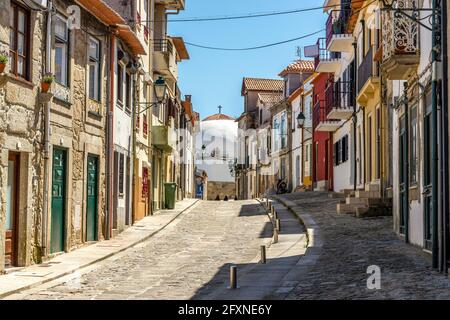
(271, 44)
(255, 48)
(251, 15)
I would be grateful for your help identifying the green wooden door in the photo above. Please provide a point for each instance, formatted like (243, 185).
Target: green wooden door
(92, 194)
(58, 201)
(427, 183)
(403, 175)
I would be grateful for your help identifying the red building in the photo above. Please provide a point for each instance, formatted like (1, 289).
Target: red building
(322, 140)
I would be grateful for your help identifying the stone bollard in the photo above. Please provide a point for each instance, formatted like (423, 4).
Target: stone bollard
(275, 235)
(278, 224)
(233, 277)
(263, 254)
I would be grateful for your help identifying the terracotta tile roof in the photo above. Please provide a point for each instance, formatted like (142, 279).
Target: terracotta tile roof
(218, 116)
(260, 84)
(270, 98)
(299, 66)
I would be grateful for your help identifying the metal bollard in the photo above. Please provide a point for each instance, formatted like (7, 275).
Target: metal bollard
(233, 277)
(278, 224)
(263, 254)
(275, 235)
(272, 210)
(267, 202)
(275, 216)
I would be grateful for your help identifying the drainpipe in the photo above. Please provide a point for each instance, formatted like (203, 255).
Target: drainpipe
(48, 69)
(406, 160)
(445, 141)
(434, 143)
(110, 140)
(355, 120)
(134, 168)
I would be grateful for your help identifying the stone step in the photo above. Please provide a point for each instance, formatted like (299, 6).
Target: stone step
(374, 211)
(343, 208)
(367, 194)
(373, 187)
(336, 195)
(364, 201)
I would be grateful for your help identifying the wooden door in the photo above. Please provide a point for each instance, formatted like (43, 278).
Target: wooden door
(12, 201)
(92, 198)
(58, 201)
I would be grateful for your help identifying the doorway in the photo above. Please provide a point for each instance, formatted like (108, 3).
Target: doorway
(12, 206)
(92, 198)
(403, 176)
(58, 201)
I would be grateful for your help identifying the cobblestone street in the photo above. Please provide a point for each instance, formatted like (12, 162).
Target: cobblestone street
(350, 245)
(177, 263)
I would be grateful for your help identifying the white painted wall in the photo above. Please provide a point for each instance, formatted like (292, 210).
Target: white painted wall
(225, 133)
(297, 138)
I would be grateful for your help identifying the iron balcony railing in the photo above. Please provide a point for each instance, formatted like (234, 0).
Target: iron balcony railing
(367, 69)
(400, 33)
(319, 113)
(324, 54)
(339, 95)
(163, 45)
(337, 21)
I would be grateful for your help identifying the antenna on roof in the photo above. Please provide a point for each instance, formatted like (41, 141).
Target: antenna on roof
(299, 52)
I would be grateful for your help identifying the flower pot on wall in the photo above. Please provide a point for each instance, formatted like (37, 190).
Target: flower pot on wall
(45, 86)
(2, 67)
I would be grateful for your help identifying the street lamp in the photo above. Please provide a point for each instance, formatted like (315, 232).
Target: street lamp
(160, 89)
(301, 120)
(203, 151)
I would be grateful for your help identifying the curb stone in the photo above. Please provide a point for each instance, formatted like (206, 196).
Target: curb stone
(99, 259)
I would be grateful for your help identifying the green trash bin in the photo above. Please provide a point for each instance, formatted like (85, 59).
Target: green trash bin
(170, 193)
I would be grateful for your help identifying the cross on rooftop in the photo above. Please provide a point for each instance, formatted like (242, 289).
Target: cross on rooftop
(220, 109)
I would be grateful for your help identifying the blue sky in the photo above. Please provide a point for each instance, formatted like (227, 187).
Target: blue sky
(215, 77)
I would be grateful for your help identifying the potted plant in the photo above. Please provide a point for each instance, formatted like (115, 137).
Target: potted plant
(46, 82)
(3, 61)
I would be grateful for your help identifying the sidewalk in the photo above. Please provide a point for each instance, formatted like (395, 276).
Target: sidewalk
(67, 263)
(273, 280)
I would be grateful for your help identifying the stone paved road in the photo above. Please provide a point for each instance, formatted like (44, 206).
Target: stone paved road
(350, 246)
(187, 258)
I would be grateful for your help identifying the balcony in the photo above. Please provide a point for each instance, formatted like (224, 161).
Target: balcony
(339, 100)
(321, 121)
(172, 4)
(326, 61)
(368, 78)
(338, 40)
(164, 137)
(165, 58)
(401, 55)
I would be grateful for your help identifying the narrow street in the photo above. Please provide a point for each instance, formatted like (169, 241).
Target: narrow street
(352, 244)
(189, 256)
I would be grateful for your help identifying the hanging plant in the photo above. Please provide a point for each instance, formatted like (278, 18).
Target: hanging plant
(3, 61)
(46, 82)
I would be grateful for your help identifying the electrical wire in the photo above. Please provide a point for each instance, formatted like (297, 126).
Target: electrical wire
(252, 15)
(257, 47)
(271, 44)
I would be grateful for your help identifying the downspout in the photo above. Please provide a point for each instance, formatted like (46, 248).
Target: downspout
(434, 143)
(48, 69)
(406, 160)
(110, 139)
(445, 141)
(355, 120)
(135, 168)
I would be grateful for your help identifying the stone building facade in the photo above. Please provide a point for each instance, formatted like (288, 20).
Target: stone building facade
(53, 144)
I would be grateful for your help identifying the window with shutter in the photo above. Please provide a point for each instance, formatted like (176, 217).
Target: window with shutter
(144, 182)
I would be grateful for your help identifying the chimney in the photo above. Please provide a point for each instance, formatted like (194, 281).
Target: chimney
(187, 98)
